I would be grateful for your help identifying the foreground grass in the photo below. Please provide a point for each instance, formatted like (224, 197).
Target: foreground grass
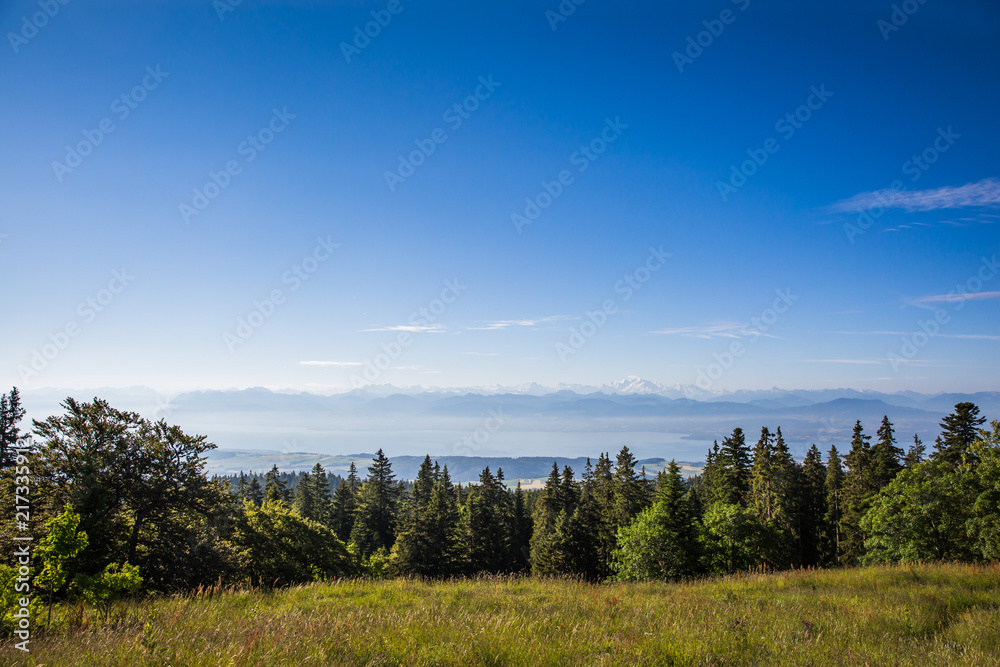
(920, 615)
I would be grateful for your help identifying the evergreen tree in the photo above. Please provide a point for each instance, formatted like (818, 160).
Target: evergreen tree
(834, 492)
(631, 495)
(275, 488)
(305, 498)
(958, 431)
(774, 497)
(242, 488)
(812, 508)
(522, 529)
(662, 543)
(377, 511)
(886, 457)
(915, 454)
(489, 525)
(603, 493)
(321, 495)
(731, 477)
(550, 508)
(11, 414)
(859, 487)
(427, 544)
(255, 493)
(343, 511)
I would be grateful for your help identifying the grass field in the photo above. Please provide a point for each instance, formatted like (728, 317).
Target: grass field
(920, 615)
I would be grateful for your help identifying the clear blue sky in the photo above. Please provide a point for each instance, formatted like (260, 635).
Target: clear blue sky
(198, 87)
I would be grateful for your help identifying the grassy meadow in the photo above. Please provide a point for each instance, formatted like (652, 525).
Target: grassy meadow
(900, 615)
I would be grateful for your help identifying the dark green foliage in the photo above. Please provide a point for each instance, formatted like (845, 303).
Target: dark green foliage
(958, 432)
(915, 454)
(275, 546)
(663, 541)
(378, 502)
(139, 487)
(429, 540)
(886, 457)
(859, 486)
(812, 508)
(834, 495)
(729, 479)
(11, 414)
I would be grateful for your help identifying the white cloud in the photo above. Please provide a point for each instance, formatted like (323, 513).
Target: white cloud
(716, 330)
(949, 298)
(332, 363)
(506, 324)
(982, 193)
(411, 328)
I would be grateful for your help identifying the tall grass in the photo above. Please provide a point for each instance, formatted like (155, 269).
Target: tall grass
(904, 615)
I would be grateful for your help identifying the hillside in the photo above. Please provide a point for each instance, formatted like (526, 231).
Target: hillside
(903, 615)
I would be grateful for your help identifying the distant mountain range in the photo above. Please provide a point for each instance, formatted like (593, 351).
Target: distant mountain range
(654, 420)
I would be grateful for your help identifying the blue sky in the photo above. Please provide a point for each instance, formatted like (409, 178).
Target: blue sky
(644, 112)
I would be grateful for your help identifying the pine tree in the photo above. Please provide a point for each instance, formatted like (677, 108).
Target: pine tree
(603, 493)
(731, 482)
(549, 510)
(958, 431)
(343, 511)
(489, 525)
(427, 542)
(859, 487)
(915, 454)
(774, 497)
(11, 414)
(242, 488)
(631, 495)
(255, 494)
(321, 495)
(305, 498)
(663, 541)
(522, 529)
(834, 490)
(885, 455)
(377, 511)
(275, 489)
(812, 508)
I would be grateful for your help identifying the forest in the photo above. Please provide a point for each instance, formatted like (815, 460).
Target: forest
(121, 506)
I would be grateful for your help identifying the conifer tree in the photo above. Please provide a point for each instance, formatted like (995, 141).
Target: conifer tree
(242, 488)
(834, 490)
(631, 494)
(859, 487)
(886, 457)
(958, 431)
(305, 498)
(11, 414)
(731, 476)
(662, 542)
(377, 510)
(275, 489)
(427, 541)
(255, 494)
(812, 508)
(321, 494)
(915, 454)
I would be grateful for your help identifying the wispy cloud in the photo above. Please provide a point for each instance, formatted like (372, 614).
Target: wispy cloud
(411, 328)
(844, 361)
(950, 298)
(332, 363)
(982, 193)
(715, 330)
(910, 333)
(507, 324)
